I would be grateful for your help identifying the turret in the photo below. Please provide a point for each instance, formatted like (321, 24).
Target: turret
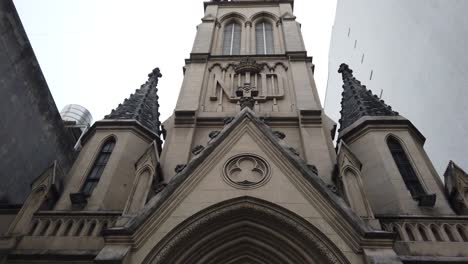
(397, 175)
(120, 156)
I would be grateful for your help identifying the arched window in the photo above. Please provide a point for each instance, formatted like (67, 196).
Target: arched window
(91, 228)
(409, 232)
(436, 233)
(422, 232)
(68, 228)
(462, 233)
(98, 167)
(406, 169)
(264, 38)
(395, 230)
(232, 39)
(79, 229)
(449, 233)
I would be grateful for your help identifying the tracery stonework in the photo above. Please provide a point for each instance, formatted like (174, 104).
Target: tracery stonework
(247, 83)
(246, 171)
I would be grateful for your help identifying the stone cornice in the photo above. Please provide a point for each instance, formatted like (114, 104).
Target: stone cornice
(253, 2)
(366, 123)
(205, 57)
(112, 124)
(423, 217)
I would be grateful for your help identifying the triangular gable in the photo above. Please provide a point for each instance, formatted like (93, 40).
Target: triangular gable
(334, 209)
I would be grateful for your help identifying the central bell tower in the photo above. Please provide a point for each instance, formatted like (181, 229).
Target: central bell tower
(249, 54)
(248, 172)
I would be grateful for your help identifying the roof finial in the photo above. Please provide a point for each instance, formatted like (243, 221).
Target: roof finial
(142, 105)
(155, 74)
(357, 101)
(345, 71)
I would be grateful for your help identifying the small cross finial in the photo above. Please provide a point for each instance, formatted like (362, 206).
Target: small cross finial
(156, 73)
(345, 71)
(344, 68)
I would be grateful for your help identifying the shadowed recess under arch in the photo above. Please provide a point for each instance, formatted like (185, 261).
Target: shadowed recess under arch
(245, 228)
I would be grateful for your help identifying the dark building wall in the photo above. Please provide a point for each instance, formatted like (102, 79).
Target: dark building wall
(32, 134)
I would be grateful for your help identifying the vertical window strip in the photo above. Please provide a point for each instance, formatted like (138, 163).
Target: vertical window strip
(236, 39)
(98, 168)
(264, 38)
(227, 39)
(405, 168)
(259, 38)
(268, 38)
(232, 39)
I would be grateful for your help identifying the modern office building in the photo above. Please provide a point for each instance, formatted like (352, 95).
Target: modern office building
(77, 114)
(412, 54)
(77, 120)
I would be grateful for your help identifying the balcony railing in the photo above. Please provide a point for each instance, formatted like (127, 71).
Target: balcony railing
(71, 224)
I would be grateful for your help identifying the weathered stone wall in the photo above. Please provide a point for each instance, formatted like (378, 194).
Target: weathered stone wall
(32, 134)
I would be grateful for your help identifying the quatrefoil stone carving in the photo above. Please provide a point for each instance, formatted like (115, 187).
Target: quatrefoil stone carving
(246, 171)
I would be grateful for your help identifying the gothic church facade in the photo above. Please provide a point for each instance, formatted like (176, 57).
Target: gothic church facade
(248, 172)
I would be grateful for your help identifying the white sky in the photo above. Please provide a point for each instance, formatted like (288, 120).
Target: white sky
(97, 52)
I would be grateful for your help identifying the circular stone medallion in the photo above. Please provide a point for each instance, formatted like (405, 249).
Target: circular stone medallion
(246, 171)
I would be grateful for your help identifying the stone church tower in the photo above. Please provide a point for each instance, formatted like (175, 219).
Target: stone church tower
(248, 172)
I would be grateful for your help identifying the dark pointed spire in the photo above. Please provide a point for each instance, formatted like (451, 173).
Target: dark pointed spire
(357, 101)
(143, 105)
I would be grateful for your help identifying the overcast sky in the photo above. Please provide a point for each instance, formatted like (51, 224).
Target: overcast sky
(97, 52)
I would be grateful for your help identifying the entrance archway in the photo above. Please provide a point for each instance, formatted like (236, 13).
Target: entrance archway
(245, 230)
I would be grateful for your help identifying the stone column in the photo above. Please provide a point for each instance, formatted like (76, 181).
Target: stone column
(248, 31)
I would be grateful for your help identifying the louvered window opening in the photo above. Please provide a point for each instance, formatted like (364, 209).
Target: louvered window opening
(232, 39)
(264, 38)
(406, 169)
(98, 167)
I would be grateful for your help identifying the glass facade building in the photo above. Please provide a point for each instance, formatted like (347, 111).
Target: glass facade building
(78, 114)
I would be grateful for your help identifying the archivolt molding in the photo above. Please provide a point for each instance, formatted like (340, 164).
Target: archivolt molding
(262, 15)
(233, 15)
(224, 67)
(254, 221)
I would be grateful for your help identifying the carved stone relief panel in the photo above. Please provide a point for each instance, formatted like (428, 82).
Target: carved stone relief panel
(233, 86)
(246, 171)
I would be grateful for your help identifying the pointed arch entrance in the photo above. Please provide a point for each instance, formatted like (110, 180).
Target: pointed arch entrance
(245, 230)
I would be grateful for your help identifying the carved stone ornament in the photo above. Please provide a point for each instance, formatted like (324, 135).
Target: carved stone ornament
(198, 149)
(279, 134)
(248, 65)
(313, 168)
(228, 120)
(180, 168)
(247, 102)
(332, 188)
(214, 134)
(294, 151)
(246, 171)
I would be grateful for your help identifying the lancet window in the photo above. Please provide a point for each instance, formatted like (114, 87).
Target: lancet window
(406, 169)
(264, 38)
(232, 39)
(98, 168)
